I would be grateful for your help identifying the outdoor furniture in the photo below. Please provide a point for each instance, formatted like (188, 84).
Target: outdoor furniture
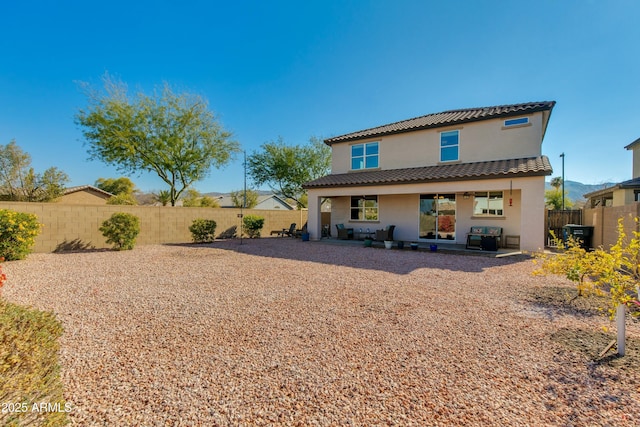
(386, 233)
(484, 238)
(291, 232)
(344, 233)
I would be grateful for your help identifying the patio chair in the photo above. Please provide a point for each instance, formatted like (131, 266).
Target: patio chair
(291, 232)
(386, 233)
(344, 233)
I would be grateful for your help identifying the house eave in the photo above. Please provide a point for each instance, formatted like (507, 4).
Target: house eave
(496, 169)
(370, 133)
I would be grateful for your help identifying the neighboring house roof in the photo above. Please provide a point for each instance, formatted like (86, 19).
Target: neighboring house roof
(633, 144)
(629, 184)
(86, 187)
(227, 201)
(532, 166)
(446, 118)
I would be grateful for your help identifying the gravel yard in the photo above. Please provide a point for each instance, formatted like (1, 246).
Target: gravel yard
(284, 332)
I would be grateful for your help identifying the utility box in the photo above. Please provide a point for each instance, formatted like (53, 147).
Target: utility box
(581, 233)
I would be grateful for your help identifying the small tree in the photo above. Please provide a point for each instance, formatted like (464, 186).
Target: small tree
(19, 181)
(193, 199)
(122, 199)
(116, 186)
(287, 168)
(121, 229)
(615, 273)
(237, 198)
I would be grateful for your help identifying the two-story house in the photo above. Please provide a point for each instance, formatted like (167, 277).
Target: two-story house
(435, 176)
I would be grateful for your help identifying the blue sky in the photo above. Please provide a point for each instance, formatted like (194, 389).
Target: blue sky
(298, 69)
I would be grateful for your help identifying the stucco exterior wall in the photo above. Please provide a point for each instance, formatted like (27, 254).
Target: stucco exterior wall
(399, 205)
(84, 197)
(636, 161)
(479, 141)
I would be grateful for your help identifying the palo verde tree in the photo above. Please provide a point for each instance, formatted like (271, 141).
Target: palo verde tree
(285, 168)
(116, 186)
(19, 181)
(172, 135)
(123, 190)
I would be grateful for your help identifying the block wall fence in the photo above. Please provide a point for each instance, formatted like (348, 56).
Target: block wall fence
(605, 222)
(73, 227)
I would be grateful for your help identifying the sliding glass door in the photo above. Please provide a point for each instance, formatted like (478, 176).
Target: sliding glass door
(438, 216)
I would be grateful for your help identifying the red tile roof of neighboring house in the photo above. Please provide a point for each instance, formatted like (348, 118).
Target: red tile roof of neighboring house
(531, 166)
(446, 118)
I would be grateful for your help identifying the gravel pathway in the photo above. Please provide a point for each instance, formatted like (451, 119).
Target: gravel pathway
(284, 332)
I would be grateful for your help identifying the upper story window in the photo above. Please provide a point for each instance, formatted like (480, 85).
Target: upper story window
(516, 122)
(364, 156)
(449, 143)
(488, 203)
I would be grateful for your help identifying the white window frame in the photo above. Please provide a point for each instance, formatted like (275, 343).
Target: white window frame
(488, 210)
(362, 209)
(365, 156)
(443, 134)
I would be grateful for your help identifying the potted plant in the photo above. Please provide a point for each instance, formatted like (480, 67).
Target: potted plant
(400, 244)
(368, 242)
(388, 244)
(414, 246)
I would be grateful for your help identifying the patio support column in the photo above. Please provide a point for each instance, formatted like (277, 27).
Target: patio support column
(314, 219)
(532, 233)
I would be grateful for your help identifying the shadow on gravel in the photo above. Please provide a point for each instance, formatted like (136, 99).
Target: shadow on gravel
(558, 300)
(77, 245)
(370, 258)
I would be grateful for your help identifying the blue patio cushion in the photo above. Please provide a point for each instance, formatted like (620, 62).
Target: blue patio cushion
(478, 230)
(340, 226)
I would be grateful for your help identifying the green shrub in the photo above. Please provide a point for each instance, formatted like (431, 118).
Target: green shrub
(29, 367)
(203, 230)
(121, 230)
(253, 225)
(18, 231)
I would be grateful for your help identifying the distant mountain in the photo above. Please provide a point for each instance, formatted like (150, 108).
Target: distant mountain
(577, 190)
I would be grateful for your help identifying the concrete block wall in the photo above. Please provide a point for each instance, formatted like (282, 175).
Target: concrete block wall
(605, 222)
(71, 227)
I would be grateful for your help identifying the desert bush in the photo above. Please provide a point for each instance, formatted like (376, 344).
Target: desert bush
(121, 229)
(203, 230)
(253, 225)
(29, 367)
(18, 231)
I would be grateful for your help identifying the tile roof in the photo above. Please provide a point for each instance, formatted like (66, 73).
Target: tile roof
(628, 184)
(531, 166)
(70, 190)
(633, 144)
(446, 118)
